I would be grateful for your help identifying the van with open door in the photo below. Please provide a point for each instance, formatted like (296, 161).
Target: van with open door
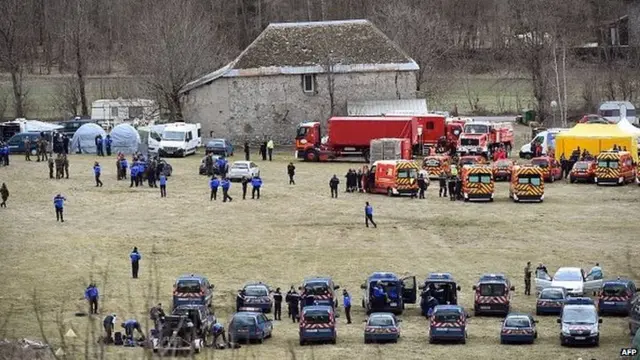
(398, 292)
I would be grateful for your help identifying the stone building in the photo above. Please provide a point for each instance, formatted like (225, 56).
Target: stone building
(296, 72)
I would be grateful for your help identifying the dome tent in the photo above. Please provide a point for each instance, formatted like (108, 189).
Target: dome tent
(84, 139)
(126, 139)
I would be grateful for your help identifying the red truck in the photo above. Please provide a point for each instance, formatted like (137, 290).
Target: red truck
(435, 128)
(351, 136)
(482, 138)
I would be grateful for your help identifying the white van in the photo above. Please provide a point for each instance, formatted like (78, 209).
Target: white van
(614, 111)
(546, 138)
(180, 139)
(151, 136)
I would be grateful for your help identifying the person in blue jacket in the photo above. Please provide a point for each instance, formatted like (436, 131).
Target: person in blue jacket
(135, 262)
(97, 171)
(226, 185)
(221, 164)
(99, 148)
(134, 174)
(4, 153)
(379, 296)
(346, 302)
(214, 183)
(124, 164)
(107, 143)
(256, 182)
(163, 185)
(91, 294)
(130, 326)
(58, 204)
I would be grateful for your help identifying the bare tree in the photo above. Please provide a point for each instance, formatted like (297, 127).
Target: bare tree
(66, 97)
(169, 54)
(15, 39)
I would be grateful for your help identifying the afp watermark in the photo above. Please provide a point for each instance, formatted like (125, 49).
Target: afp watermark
(628, 352)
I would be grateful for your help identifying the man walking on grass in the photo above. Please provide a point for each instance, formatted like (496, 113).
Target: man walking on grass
(368, 215)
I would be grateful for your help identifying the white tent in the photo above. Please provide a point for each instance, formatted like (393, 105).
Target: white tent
(627, 127)
(126, 139)
(84, 138)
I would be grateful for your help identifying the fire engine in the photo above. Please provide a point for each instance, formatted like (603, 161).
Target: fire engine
(482, 138)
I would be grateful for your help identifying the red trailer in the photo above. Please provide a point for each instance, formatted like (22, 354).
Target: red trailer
(351, 136)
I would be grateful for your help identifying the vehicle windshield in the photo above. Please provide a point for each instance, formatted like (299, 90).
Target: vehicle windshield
(381, 321)
(256, 291)
(552, 294)
(566, 275)
(503, 164)
(614, 290)
(611, 164)
(432, 163)
(316, 317)
(579, 315)
(543, 163)
(484, 179)
(301, 132)
(581, 166)
(447, 317)
(407, 173)
(173, 136)
(188, 286)
(476, 129)
(492, 289)
(519, 322)
(316, 288)
(243, 320)
(469, 161)
(529, 179)
(240, 166)
(469, 142)
(216, 143)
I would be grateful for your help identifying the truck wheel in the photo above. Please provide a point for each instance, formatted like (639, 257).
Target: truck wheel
(366, 155)
(311, 155)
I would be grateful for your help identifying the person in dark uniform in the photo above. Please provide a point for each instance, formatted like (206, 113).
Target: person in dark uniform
(107, 143)
(50, 163)
(92, 295)
(135, 262)
(294, 303)
(65, 144)
(4, 194)
(452, 188)
(109, 324)
(246, 151)
(27, 149)
(458, 187)
(333, 184)
(263, 151)
(244, 181)
(368, 215)
(239, 300)
(527, 278)
(214, 183)
(443, 184)
(291, 171)
(130, 326)
(359, 180)
(277, 304)
(422, 185)
(564, 165)
(65, 165)
(346, 301)
(156, 314)
(97, 171)
(309, 299)
(59, 162)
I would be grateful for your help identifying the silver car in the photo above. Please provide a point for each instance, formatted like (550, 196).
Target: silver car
(240, 169)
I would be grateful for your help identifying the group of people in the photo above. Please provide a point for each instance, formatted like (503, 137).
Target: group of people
(266, 150)
(297, 299)
(225, 184)
(152, 170)
(102, 144)
(450, 184)
(541, 270)
(61, 165)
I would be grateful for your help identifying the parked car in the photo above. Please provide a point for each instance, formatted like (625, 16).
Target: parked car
(241, 169)
(69, 127)
(219, 147)
(518, 328)
(381, 327)
(250, 324)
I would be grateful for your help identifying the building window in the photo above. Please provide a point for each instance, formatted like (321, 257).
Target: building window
(430, 125)
(114, 111)
(308, 83)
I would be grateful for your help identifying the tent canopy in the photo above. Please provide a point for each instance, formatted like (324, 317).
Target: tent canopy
(84, 138)
(627, 127)
(595, 138)
(126, 139)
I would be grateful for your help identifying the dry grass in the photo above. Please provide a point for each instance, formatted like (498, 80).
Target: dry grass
(293, 232)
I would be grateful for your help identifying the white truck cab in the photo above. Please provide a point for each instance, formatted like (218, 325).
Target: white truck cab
(546, 138)
(180, 139)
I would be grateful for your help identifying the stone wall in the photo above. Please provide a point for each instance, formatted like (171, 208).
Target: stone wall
(254, 107)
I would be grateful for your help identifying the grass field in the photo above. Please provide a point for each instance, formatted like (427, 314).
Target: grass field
(293, 232)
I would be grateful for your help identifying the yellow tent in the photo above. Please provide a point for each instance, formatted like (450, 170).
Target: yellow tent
(595, 138)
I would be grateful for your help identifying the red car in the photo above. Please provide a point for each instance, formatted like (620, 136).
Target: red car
(502, 169)
(551, 168)
(583, 171)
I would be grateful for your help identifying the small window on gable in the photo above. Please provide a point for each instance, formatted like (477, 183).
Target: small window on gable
(307, 83)
(430, 125)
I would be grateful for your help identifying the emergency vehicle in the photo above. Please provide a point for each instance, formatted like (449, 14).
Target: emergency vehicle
(551, 169)
(518, 328)
(448, 323)
(435, 164)
(442, 288)
(583, 171)
(527, 183)
(579, 322)
(382, 327)
(317, 324)
(471, 160)
(615, 168)
(395, 177)
(483, 138)
(615, 297)
(551, 300)
(192, 290)
(492, 294)
(477, 183)
(398, 292)
(502, 169)
(322, 289)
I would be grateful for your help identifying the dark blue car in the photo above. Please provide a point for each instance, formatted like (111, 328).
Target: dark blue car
(518, 328)
(192, 289)
(16, 142)
(398, 292)
(256, 295)
(382, 327)
(250, 324)
(448, 323)
(438, 289)
(322, 289)
(318, 324)
(551, 300)
(219, 147)
(615, 297)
